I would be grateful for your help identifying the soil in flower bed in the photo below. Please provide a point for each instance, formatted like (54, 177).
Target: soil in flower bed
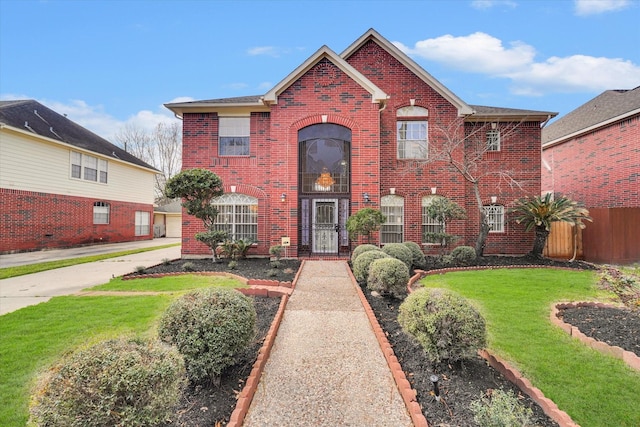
(206, 405)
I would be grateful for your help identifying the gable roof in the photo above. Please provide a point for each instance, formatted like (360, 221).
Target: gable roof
(371, 34)
(485, 113)
(377, 94)
(606, 108)
(30, 116)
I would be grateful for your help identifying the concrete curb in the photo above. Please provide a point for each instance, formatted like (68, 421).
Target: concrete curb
(628, 357)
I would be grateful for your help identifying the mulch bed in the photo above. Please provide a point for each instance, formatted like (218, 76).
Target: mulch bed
(459, 383)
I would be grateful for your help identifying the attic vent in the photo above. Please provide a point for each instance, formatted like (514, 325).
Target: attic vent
(26, 124)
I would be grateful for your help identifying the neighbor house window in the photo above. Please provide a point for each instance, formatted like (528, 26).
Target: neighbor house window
(234, 136)
(88, 168)
(412, 132)
(495, 217)
(493, 140)
(430, 225)
(237, 215)
(142, 223)
(392, 230)
(101, 213)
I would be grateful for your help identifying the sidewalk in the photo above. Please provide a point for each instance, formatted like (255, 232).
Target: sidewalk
(326, 366)
(31, 289)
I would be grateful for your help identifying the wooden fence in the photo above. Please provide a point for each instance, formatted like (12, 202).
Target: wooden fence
(562, 241)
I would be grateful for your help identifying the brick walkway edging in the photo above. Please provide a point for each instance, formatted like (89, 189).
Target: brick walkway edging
(513, 375)
(628, 357)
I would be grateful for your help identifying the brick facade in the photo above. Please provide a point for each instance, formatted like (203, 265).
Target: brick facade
(272, 167)
(600, 169)
(33, 221)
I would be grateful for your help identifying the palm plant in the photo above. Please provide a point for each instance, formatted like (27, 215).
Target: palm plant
(540, 212)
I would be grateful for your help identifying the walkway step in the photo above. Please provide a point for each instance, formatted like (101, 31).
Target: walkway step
(326, 366)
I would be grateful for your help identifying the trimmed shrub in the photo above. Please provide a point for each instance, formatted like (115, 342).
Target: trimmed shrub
(113, 383)
(399, 251)
(360, 249)
(188, 266)
(445, 324)
(209, 327)
(388, 276)
(418, 259)
(363, 262)
(501, 409)
(463, 255)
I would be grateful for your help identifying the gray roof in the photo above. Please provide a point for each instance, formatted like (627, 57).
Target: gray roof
(605, 107)
(506, 113)
(174, 206)
(31, 116)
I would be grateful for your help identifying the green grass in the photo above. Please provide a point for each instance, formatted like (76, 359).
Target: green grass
(168, 283)
(34, 337)
(21, 270)
(595, 390)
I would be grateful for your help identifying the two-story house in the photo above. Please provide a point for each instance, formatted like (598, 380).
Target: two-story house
(365, 128)
(62, 185)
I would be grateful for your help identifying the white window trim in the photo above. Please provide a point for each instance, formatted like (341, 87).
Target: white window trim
(142, 219)
(82, 160)
(392, 201)
(426, 221)
(102, 210)
(492, 211)
(494, 140)
(234, 200)
(234, 127)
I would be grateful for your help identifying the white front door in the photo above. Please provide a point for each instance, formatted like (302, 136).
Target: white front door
(325, 221)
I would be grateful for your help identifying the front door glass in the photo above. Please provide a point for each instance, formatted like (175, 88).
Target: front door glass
(325, 226)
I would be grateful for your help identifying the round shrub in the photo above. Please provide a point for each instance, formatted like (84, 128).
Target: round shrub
(113, 383)
(444, 323)
(501, 409)
(418, 259)
(388, 276)
(360, 249)
(399, 251)
(209, 327)
(463, 255)
(363, 262)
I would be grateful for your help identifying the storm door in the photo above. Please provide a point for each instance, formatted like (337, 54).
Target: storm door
(325, 226)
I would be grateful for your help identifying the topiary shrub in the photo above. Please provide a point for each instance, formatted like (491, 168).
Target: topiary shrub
(363, 262)
(360, 249)
(463, 255)
(399, 251)
(388, 276)
(501, 409)
(209, 327)
(113, 383)
(444, 323)
(418, 259)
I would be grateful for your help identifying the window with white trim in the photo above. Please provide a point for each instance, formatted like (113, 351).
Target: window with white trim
(101, 212)
(88, 168)
(430, 225)
(392, 207)
(142, 223)
(412, 132)
(495, 218)
(233, 136)
(493, 140)
(237, 215)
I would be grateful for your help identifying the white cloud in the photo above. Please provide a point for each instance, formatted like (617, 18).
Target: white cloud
(593, 7)
(484, 54)
(477, 52)
(488, 4)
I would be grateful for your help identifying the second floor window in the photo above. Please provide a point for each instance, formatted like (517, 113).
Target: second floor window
(234, 136)
(412, 132)
(493, 140)
(88, 168)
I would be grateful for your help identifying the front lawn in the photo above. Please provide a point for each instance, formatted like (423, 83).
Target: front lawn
(595, 390)
(36, 336)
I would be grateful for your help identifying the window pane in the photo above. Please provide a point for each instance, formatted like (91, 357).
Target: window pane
(493, 140)
(238, 216)
(142, 223)
(412, 139)
(234, 136)
(100, 213)
(430, 225)
(393, 229)
(234, 146)
(495, 217)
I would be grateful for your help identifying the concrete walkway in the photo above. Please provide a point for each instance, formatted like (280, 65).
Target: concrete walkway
(326, 367)
(31, 289)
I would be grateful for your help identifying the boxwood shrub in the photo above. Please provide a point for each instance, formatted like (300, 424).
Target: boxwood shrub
(417, 256)
(360, 249)
(210, 327)
(388, 276)
(463, 255)
(445, 324)
(363, 262)
(399, 251)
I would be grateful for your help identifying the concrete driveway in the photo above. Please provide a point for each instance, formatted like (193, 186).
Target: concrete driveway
(31, 289)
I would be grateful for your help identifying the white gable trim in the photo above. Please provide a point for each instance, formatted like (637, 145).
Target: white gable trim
(463, 108)
(377, 95)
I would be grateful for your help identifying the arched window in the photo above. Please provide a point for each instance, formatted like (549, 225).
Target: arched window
(237, 215)
(324, 158)
(392, 231)
(412, 132)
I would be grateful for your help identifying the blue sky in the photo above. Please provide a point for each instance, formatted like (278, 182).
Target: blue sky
(108, 64)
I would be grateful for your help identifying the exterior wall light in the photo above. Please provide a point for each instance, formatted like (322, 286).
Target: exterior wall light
(366, 198)
(283, 198)
(494, 199)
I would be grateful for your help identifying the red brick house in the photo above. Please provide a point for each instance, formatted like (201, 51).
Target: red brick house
(355, 130)
(62, 185)
(592, 155)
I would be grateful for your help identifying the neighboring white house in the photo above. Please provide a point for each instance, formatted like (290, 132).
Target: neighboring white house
(62, 185)
(167, 220)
